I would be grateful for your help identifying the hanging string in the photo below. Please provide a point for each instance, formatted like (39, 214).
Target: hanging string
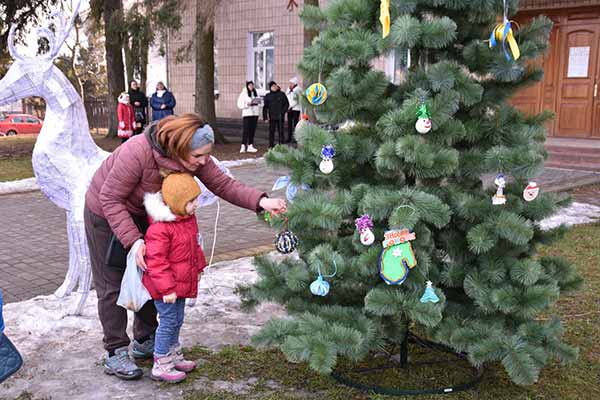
(206, 275)
(328, 276)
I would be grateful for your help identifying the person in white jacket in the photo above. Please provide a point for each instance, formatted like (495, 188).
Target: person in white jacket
(248, 102)
(293, 94)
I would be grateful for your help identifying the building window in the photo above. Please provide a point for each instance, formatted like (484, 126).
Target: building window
(397, 63)
(262, 58)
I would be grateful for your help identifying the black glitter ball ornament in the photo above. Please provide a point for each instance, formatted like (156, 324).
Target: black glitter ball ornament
(286, 242)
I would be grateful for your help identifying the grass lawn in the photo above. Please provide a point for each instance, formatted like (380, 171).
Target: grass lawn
(239, 372)
(242, 373)
(15, 168)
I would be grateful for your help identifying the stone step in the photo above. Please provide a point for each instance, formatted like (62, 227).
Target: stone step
(582, 166)
(574, 158)
(572, 150)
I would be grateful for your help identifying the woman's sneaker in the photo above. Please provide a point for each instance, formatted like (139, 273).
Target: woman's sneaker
(243, 149)
(181, 364)
(122, 366)
(252, 149)
(164, 370)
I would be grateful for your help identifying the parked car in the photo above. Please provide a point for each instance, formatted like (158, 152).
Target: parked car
(20, 124)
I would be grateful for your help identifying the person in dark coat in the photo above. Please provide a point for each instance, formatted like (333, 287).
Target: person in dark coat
(139, 101)
(275, 106)
(162, 102)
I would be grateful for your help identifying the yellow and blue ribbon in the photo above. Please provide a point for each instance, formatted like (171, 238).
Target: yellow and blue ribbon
(384, 17)
(504, 33)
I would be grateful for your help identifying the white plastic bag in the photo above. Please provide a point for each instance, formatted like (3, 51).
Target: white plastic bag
(133, 294)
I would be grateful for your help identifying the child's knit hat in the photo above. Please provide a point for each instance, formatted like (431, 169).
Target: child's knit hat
(179, 188)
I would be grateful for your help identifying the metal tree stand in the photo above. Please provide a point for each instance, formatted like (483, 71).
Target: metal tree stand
(403, 364)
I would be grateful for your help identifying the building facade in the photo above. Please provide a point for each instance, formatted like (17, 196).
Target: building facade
(255, 40)
(263, 41)
(571, 68)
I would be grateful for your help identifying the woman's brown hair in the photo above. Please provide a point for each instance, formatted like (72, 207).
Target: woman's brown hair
(174, 133)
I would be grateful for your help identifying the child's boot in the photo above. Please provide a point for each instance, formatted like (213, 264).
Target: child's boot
(164, 370)
(181, 364)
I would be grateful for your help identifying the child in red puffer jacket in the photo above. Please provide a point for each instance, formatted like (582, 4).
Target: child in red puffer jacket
(174, 259)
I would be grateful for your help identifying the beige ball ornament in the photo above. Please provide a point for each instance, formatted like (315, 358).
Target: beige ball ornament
(367, 237)
(423, 125)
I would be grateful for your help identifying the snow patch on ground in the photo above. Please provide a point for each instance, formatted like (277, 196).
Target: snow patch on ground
(575, 214)
(30, 185)
(20, 186)
(62, 353)
(239, 163)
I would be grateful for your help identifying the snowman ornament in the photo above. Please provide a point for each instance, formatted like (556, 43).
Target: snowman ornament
(423, 124)
(327, 154)
(499, 198)
(364, 225)
(531, 191)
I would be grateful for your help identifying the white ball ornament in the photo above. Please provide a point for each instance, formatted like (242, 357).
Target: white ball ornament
(367, 237)
(326, 166)
(423, 125)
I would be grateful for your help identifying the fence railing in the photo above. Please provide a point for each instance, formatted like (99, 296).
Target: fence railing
(98, 114)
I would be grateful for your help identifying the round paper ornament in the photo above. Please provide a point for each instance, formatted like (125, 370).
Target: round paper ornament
(423, 124)
(316, 94)
(531, 191)
(286, 242)
(397, 256)
(319, 287)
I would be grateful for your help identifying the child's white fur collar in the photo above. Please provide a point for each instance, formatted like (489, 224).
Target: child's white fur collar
(157, 209)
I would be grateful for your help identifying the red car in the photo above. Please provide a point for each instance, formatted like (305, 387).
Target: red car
(20, 124)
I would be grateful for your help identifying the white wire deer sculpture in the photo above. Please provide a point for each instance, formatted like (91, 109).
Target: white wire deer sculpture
(65, 156)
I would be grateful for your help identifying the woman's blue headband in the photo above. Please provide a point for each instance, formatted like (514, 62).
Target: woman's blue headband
(202, 137)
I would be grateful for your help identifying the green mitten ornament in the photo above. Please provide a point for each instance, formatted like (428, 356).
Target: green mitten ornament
(397, 257)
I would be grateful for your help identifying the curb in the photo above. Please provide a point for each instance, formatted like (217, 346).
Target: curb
(29, 184)
(247, 252)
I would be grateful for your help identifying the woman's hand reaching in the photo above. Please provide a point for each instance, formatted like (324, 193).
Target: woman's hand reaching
(139, 257)
(274, 206)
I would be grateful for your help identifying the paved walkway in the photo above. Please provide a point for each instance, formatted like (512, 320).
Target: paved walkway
(34, 248)
(34, 254)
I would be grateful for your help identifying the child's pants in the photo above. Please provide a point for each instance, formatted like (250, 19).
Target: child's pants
(170, 322)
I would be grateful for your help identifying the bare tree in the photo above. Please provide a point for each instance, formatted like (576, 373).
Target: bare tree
(204, 103)
(111, 12)
(75, 46)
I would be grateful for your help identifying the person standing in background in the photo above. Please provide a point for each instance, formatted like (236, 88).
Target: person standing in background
(248, 102)
(162, 102)
(293, 114)
(274, 109)
(126, 117)
(139, 102)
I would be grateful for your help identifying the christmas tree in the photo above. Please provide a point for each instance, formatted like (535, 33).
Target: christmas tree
(415, 163)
